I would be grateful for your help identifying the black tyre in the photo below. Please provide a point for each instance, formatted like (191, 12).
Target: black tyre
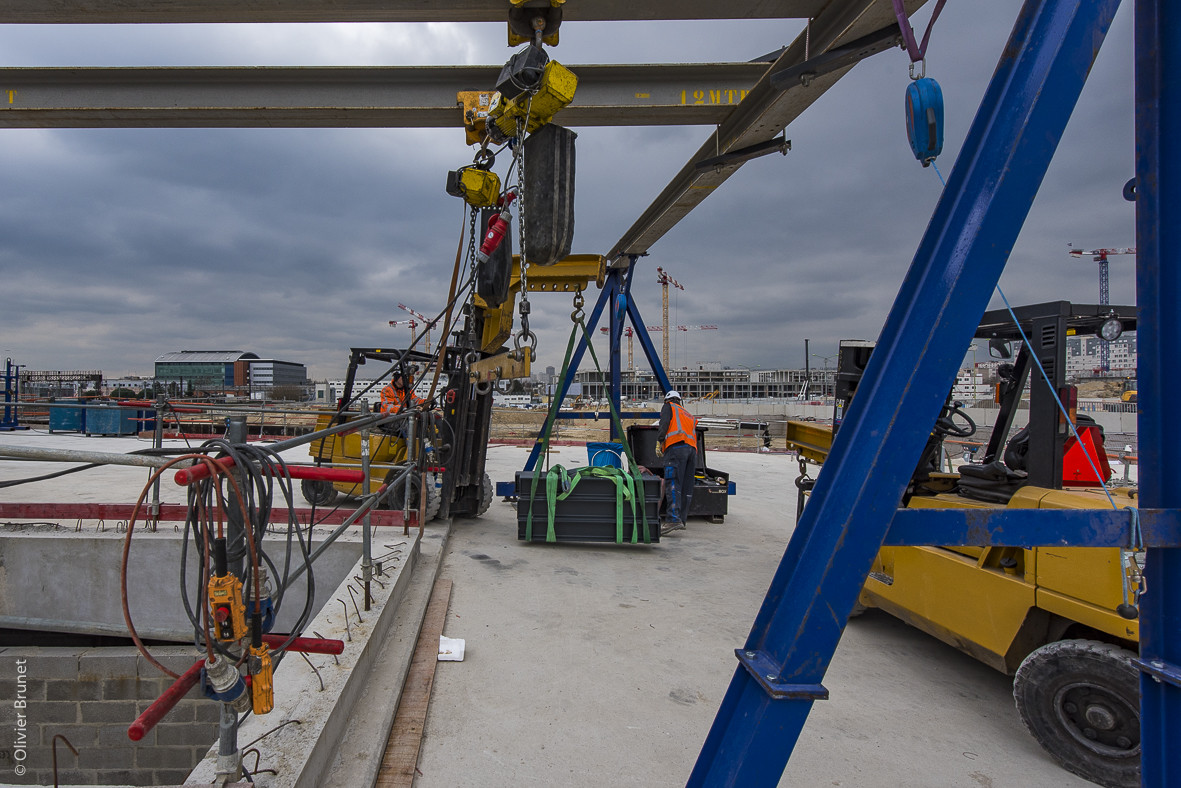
(318, 493)
(397, 496)
(1081, 700)
(487, 492)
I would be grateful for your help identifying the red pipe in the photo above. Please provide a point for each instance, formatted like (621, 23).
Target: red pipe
(163, 704)
(198, 472)
(147, 403)
(306, 645)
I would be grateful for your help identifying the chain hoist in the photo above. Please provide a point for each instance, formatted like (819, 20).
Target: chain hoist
(524, 308)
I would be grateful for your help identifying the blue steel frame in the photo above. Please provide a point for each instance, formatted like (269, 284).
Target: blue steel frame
(1158, 292)
(854, 505)
(616, 292)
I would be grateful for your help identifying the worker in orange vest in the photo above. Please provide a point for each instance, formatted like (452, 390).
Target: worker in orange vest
(677, 438)
(398, 395)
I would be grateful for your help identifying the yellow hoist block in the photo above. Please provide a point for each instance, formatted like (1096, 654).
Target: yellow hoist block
(478, 188)
(556, 90)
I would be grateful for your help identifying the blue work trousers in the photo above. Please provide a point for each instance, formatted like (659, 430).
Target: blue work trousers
(680, 463)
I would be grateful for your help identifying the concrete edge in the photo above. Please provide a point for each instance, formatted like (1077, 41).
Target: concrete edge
(360, 753)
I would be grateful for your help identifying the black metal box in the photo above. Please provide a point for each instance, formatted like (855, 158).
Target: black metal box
(588, 515)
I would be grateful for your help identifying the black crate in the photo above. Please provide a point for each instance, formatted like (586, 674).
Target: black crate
(588, 515)
(711, 497)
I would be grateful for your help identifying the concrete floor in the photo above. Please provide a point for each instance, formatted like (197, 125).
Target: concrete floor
(605, 665)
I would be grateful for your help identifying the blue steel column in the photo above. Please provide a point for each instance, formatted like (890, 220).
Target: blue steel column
(1158, 292)
(959, 261)
(606, 296)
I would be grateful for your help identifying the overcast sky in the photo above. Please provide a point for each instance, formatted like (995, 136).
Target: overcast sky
(117, 246)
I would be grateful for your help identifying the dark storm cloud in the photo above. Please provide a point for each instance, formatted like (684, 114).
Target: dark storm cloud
(120, 245)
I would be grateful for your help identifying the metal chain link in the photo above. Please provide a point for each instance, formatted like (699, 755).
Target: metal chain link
(525, 333)
(473, 215)
(519, 152)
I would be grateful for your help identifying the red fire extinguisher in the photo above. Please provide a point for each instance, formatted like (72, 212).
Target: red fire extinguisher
(498, 225)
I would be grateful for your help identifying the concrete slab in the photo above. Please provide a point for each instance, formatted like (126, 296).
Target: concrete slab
(593, 665)
(605, 665)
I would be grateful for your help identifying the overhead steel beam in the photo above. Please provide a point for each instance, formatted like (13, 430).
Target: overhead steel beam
(185, 11)
(404, 96)
(763, 114)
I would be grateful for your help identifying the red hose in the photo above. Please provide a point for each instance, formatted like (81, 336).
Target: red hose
(163, 704)
(199, 472)
(306, 645)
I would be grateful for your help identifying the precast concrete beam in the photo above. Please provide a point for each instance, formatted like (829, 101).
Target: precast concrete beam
(206, 11)
(398, 96)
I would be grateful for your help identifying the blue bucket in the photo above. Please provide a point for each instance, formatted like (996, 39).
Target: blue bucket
(605, 455)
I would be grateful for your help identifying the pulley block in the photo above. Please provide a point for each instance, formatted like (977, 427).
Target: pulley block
(924, 119)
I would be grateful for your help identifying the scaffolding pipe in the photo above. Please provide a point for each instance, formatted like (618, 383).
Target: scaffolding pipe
(73, 455)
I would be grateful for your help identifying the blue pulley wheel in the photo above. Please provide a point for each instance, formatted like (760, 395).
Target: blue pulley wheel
(924, 119)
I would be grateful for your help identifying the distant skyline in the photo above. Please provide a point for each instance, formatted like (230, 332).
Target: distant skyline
(117, 246)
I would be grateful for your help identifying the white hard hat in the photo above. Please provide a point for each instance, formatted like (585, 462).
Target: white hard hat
(673, 394)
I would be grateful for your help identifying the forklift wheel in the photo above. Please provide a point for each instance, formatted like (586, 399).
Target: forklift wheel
(318, 493)
(1081, 700)
(395, 499)
(487, 493)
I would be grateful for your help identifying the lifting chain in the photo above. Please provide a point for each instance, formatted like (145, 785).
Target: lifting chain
(524, 334)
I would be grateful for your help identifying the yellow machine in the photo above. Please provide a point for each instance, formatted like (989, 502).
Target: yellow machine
(1061, 620)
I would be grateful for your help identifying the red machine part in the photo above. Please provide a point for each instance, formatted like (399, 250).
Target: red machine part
(1077, 471)
(498, 225)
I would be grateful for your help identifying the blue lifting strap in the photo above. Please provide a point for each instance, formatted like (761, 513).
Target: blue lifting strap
(924, 119)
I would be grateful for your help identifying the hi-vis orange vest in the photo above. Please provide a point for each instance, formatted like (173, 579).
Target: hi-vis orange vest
(682, 427)
(392, 399)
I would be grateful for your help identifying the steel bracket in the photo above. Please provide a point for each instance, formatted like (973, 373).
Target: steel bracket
(505, 366)
(764, 670)
(1161, 671)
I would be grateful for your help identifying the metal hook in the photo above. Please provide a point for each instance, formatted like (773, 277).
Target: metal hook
(73, 749)
(314, 670)
(922, 69)
(346, 619)
(359, 619)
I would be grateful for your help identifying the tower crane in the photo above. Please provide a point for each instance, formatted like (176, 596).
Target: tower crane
(411, 322)
(664, 280)
(426, 321)
(1100, 256)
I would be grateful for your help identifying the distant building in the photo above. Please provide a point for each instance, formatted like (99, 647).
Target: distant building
(327, 392)
(225, 371)
(267, 373)
(1082, 356)
(714, 381)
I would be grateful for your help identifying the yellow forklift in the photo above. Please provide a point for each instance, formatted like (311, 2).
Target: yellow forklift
(1061, 620)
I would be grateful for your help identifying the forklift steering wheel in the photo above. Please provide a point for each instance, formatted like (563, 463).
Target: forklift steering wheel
(946, 423)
